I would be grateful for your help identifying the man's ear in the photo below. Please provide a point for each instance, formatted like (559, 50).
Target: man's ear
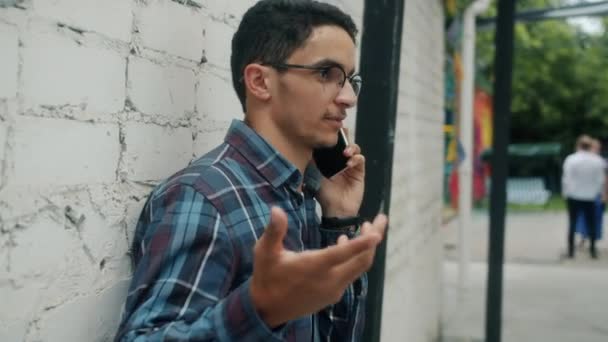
(255, 78)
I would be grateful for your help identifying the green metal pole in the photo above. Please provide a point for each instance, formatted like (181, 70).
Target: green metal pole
(376, 117)
(503, 66)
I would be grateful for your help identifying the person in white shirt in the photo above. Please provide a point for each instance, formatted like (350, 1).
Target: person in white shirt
(582, 181)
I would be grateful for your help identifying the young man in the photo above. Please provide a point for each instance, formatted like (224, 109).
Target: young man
(231, 248)
(582, 181)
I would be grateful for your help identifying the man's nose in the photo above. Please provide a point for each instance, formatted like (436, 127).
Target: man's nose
(346, 96)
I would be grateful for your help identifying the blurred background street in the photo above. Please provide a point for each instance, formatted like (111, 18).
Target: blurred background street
(546, 297)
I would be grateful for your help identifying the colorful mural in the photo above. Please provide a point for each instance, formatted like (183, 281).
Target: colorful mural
(453, 152)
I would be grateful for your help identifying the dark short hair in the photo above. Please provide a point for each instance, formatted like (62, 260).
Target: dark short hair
(584, 142)
(272, 30)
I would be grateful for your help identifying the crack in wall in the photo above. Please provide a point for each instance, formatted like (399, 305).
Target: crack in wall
(33, 327)
(88, 38)
(3, 110)
(125, 227)
(9, 245)
(10, 283)
(164, 59)
(121, 168)
(158, 119)
(4, 163)
(73, 219)
(72, 112)
(96, 207)
(11, 3)
(22, 221)
(74, 29)
(188, 3)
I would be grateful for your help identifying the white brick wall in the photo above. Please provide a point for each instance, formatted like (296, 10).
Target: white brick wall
(412, 287)
(219, 33)
(54, 151)
(173, 28)
(101, 100)
(154, 152)
(158, 90)
(216, 98)
(59, 70)
(9, 60)
(90, 15)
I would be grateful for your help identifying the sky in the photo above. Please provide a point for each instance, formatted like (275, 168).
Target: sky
(591, 25)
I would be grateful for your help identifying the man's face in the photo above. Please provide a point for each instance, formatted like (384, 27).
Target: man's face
(309, 106)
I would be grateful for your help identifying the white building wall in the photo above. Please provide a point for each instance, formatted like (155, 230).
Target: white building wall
(411, 309)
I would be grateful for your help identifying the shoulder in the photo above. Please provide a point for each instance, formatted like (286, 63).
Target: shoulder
(212, 176)
(601, 161)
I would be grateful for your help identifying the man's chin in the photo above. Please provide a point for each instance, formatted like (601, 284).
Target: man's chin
(326, 144)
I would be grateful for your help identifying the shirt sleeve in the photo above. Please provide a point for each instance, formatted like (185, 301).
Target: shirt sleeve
(566, 177)
(602, 177)
(182, 288)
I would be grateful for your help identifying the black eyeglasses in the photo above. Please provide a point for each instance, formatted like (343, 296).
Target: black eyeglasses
(329, 73)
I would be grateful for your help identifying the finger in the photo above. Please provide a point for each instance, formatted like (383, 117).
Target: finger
(357, 160)
(377, 227)
(364, 229)
(342, 239)
(352, 269)
(379, 224)
(340, 253)
(273, 236)
(352, 149)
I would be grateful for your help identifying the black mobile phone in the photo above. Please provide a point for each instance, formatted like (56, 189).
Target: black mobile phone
(331, 160)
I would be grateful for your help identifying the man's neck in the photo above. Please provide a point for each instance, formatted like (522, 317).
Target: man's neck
(299, 156)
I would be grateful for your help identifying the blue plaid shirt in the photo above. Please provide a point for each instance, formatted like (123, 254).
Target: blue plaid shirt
(193, 250)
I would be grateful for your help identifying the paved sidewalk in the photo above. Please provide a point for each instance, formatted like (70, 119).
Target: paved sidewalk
(546, 297)
(530, 238)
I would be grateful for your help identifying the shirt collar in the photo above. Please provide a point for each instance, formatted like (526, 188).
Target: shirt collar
(264, 157)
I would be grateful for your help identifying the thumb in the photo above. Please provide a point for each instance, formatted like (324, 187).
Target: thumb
(275, 231)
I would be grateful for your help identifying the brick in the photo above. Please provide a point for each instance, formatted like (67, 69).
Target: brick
(216, 98)
(414, 249)
(100, 230)
(133, 210)
(218, 39)
(93, 317)
(22, 302)
(3, 140)
(154, 89)
(154, 152)
(206, 141)
(172, 28)
(53, 244)
(112, 18)
(70, 74)
(56, 152)
(9, 61)
(233, 9)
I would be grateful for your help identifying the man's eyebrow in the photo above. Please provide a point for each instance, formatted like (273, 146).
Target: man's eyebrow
(330, 62)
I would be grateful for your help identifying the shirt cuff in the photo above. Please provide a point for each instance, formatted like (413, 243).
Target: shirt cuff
(243, 323)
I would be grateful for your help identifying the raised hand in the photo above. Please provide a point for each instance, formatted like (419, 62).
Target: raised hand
(286, 285)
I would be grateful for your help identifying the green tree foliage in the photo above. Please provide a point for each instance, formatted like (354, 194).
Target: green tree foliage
(560, 78)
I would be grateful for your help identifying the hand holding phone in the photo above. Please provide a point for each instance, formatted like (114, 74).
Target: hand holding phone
(331, 160)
